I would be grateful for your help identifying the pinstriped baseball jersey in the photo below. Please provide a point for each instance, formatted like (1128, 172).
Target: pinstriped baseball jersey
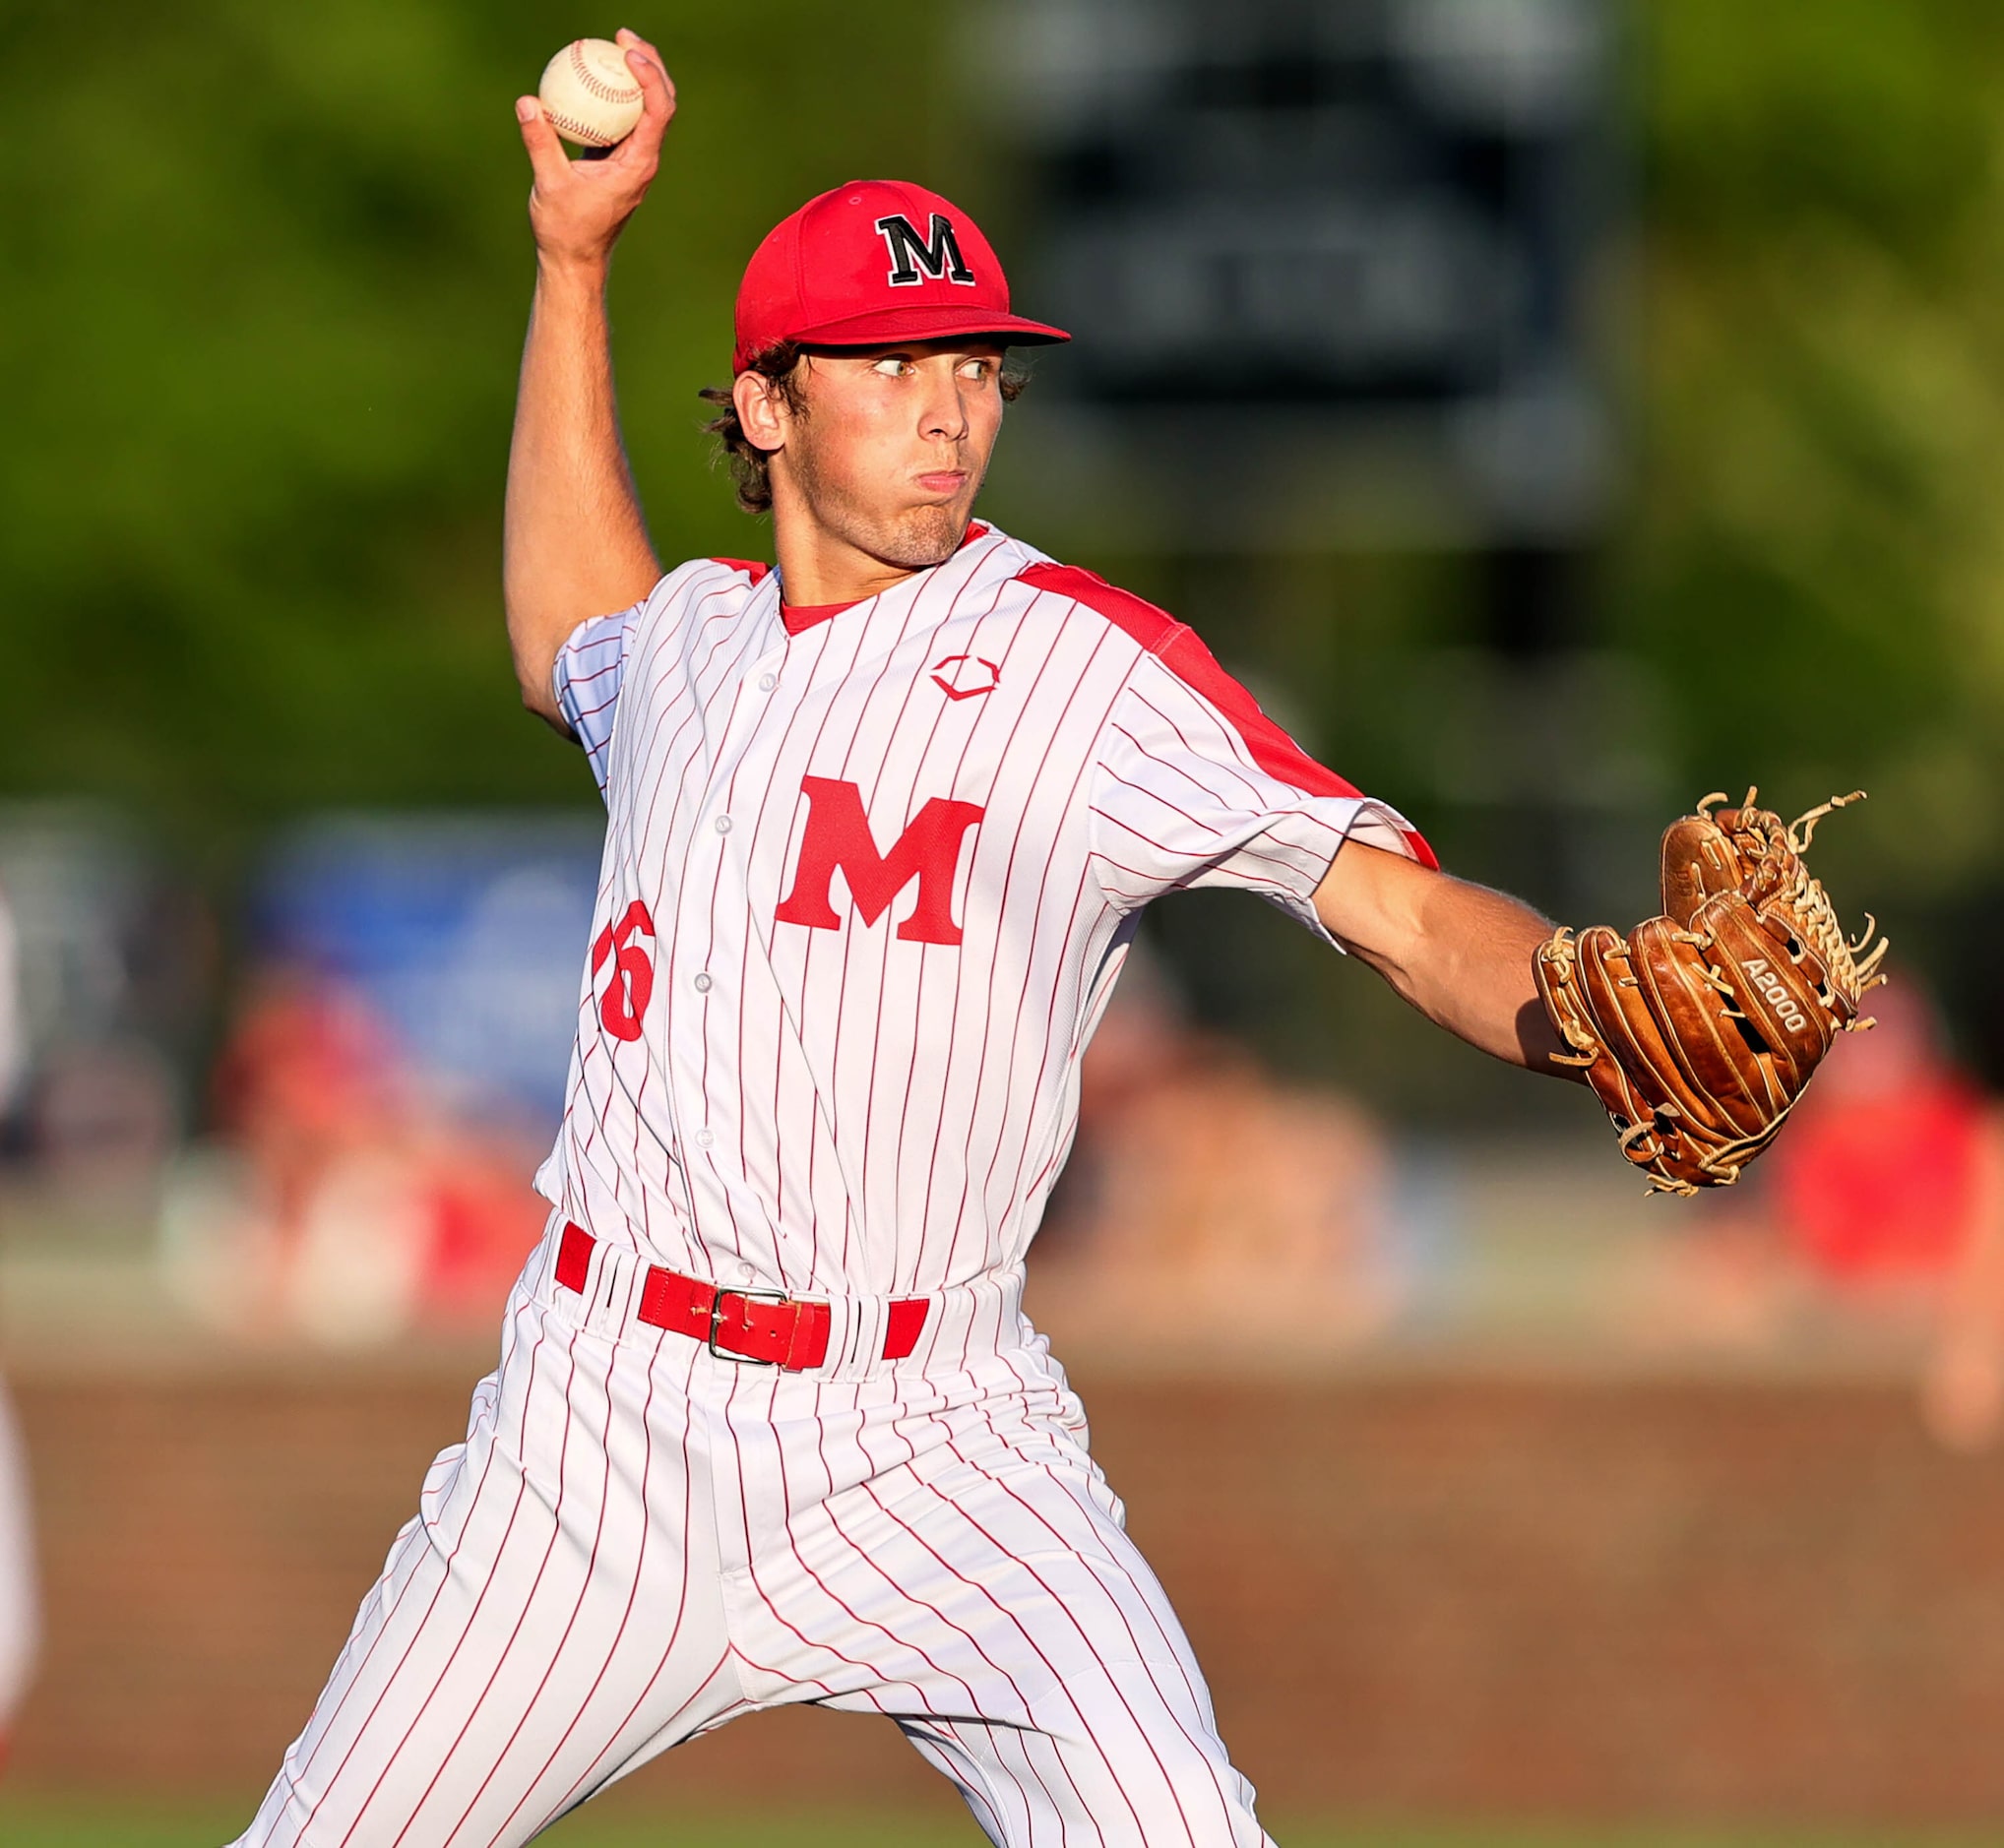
(868, 880)
(869, 876)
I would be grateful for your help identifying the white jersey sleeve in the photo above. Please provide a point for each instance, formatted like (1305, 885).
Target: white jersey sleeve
(1195, 786)
(586, 679)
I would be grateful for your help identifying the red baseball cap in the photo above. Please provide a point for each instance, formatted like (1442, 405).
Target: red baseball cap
(873, 262)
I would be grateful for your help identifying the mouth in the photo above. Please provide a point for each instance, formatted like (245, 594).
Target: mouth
(943, 483)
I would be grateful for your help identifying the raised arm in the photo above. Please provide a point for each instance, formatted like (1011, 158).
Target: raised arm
(575, 545)
(1461, 953)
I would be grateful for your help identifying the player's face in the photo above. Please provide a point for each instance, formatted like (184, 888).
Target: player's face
(891, 452)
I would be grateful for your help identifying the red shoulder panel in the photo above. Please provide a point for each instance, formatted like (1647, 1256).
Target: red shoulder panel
(751, 566)
(1149, 626)
(1181, 651)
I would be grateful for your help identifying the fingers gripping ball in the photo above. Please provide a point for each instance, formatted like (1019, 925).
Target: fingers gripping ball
(590, 94)
(1700, 1028)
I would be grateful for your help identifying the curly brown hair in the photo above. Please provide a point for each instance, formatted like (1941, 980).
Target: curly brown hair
(750, 466)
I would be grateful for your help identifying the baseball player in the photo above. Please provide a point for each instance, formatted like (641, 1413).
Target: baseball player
(769, 1424)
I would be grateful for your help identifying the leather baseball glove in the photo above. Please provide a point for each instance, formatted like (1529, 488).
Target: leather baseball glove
(1700, 1028)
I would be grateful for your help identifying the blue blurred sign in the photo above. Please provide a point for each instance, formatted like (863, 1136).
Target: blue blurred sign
(466, 934)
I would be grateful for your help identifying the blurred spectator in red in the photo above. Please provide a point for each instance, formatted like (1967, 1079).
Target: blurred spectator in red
(356, 1204)
(308, 1076)
(1878, 1178)
(1877, 1217)
(1889, 1183)
(1209, 1205)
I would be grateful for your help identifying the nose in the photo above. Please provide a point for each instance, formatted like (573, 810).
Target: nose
(944, 412)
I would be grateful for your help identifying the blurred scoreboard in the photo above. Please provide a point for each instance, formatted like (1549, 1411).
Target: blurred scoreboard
(1335, 263)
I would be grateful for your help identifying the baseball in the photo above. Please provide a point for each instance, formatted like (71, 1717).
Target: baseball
(589, 93)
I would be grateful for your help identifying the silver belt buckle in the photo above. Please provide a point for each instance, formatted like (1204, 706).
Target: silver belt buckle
(717, 1322)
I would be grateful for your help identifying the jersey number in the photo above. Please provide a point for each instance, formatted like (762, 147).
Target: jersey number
(632, 986)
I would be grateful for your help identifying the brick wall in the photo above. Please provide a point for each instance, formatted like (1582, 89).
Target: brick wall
(1428, 1594)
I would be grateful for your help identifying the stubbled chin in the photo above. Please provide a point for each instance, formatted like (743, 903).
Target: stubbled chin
(926, 536)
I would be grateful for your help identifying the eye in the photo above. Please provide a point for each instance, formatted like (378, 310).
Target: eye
(979, 370)
(895, 367)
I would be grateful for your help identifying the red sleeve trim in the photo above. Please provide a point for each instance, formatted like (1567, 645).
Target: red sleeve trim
(1181, 651)
(751, 566)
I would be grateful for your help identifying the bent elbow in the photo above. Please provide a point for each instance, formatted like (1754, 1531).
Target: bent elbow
(540, 697)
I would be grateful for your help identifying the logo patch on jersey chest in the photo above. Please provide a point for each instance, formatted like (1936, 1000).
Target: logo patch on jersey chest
(965, 676)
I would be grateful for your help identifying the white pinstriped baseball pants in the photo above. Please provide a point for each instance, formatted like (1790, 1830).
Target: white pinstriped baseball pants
(639, 1541)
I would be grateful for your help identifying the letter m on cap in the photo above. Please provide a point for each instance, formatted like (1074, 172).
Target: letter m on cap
(938, 256)
(838, 837)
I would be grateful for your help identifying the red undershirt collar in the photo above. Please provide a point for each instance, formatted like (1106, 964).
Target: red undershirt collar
(802, 616)
(799, 616)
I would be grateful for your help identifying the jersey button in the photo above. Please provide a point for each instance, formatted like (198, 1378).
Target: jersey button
(723, 823)
(767, 682)
(702, 984)
(704, 1138)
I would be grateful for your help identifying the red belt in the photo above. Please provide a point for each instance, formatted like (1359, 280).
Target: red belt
(765, 1326)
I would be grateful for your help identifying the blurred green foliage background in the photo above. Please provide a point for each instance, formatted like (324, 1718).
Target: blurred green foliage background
(267, 273)
(1812, 551)
(268, 276)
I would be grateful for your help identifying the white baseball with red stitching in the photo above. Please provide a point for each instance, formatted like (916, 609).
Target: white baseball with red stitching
(590, 94)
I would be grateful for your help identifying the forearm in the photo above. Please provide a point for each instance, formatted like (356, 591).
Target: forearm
(575, 545)
(1468, 968)
(1461, 953)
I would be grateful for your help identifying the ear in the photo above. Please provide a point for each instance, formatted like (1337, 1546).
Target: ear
(761, 410)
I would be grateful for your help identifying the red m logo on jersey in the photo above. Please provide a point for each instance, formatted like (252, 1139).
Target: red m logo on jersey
(837, 835)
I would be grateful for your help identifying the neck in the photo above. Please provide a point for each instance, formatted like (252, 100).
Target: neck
(818, 565)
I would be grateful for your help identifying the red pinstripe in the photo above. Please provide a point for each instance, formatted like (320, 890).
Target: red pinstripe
(850, 937)
(848, 1611)
(778, 1267)
(791, 811)
(1059, 1604)
(952, 781)
(655, 752)
(390, 1760)
(445, 1578)
(1003, 1615)
(556, 1655)
(633, 1592)
(647, 830)
(794, 836)
(389, 1616)
(1169, 1641)
(1187, 766)
(1128, 828)
(867, 1485)
(1036, 916)
(1009, 884)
